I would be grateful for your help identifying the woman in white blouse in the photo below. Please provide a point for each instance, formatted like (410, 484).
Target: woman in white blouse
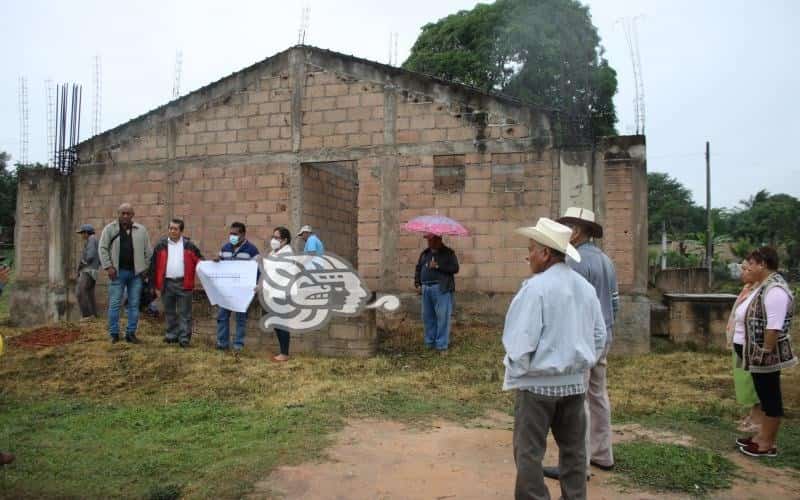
(280, 244)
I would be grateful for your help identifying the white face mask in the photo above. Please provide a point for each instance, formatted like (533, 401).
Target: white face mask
(275, 244)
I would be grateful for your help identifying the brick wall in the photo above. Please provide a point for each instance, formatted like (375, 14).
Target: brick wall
(618, 240)
(33, 201)
(339, 111)
(493, 258)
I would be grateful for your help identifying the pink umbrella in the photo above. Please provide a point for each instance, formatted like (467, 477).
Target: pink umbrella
(435, 224)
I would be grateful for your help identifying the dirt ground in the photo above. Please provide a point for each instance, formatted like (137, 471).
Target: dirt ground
(388, 460)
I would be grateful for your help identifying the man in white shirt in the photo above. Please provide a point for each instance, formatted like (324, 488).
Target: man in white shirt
(175, 260)
(554, 332)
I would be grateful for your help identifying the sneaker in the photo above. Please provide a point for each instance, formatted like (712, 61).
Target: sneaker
(114, 339)
(223, 348)
(184, 344)
(745, 441)
(131, 339)
(751, 450)
(170, 341)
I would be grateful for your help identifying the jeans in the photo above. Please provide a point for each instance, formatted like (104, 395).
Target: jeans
(85, 293)
(133, 283)
(178, 310)
(534, 416)
(224, 331)
(283, 340)
(437, 308)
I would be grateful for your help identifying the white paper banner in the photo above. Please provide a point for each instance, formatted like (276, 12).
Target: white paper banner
(229, 283)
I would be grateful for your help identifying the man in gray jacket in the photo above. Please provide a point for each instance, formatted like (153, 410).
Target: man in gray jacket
(87, 273)
(554, 332)
(125, 254)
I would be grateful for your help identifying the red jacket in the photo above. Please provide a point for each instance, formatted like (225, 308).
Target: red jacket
(191, 257)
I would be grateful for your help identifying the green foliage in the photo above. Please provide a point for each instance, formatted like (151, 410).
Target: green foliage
(691, 470)
(675, 259)
(8, 191)
(669, 204)
(770, 219)
(547, 53)
(741, 248)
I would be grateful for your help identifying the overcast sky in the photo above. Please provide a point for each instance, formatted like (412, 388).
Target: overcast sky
(723, 71)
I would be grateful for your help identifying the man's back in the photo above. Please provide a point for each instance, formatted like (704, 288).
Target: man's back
(551, 330)
(598, 270)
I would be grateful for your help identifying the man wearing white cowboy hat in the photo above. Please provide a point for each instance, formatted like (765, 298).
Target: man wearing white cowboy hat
(554, 332)
(598, 270)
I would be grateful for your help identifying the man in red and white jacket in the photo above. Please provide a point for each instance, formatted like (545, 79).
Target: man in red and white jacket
(174, 264)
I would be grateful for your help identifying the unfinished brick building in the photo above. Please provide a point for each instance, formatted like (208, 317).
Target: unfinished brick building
(354, 148)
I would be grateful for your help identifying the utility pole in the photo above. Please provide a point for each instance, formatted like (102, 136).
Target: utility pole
(709, 245)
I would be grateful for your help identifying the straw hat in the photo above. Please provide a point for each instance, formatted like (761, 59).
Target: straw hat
(577, 215)
(552, 235)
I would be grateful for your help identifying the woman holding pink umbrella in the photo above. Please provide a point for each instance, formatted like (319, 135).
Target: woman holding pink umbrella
(434, 277)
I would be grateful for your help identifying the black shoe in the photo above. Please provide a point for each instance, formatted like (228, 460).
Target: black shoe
(601, 466)
(131, 339)
(551, 472)
(184, 344)
(170, 341)
(114, 340)
(221, 348)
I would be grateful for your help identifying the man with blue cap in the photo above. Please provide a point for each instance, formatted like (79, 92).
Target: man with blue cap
(87, 273)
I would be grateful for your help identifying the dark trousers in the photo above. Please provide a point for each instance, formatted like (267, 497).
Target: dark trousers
(534, 416)
(283, 340)
(85, 293)
(178, 310)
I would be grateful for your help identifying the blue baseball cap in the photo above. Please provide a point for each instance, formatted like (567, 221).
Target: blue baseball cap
(86, 228)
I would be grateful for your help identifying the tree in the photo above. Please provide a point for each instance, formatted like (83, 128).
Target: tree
(8, 192)
(669, 204)
(546, 52)
(768, 219)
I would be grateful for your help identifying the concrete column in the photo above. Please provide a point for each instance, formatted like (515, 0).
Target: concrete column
(297, 77)
(59, 227)
(171, 166)
(390, 209)
(575, 168)
(599, 191)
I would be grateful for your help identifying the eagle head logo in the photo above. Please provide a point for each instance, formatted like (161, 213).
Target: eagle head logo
(301, 292)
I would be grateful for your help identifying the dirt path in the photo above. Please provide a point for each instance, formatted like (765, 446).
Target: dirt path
(387, 460)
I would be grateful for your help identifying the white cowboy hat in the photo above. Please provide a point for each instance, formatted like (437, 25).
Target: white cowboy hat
(552, 235)
(305, 229)
(577, 215)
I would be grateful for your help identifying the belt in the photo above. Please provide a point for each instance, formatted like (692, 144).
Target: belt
(175, 279)
(430, 283)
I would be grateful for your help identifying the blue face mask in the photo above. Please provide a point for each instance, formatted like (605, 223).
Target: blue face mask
(234, 239)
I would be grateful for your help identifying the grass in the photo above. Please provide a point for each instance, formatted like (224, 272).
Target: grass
(92, 419)
(149, 421)
(690, 469)
(8, 253)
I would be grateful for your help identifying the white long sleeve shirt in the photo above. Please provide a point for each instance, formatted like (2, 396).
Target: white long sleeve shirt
(554, 332)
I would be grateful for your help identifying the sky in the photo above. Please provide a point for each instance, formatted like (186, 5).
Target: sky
(718, 71)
